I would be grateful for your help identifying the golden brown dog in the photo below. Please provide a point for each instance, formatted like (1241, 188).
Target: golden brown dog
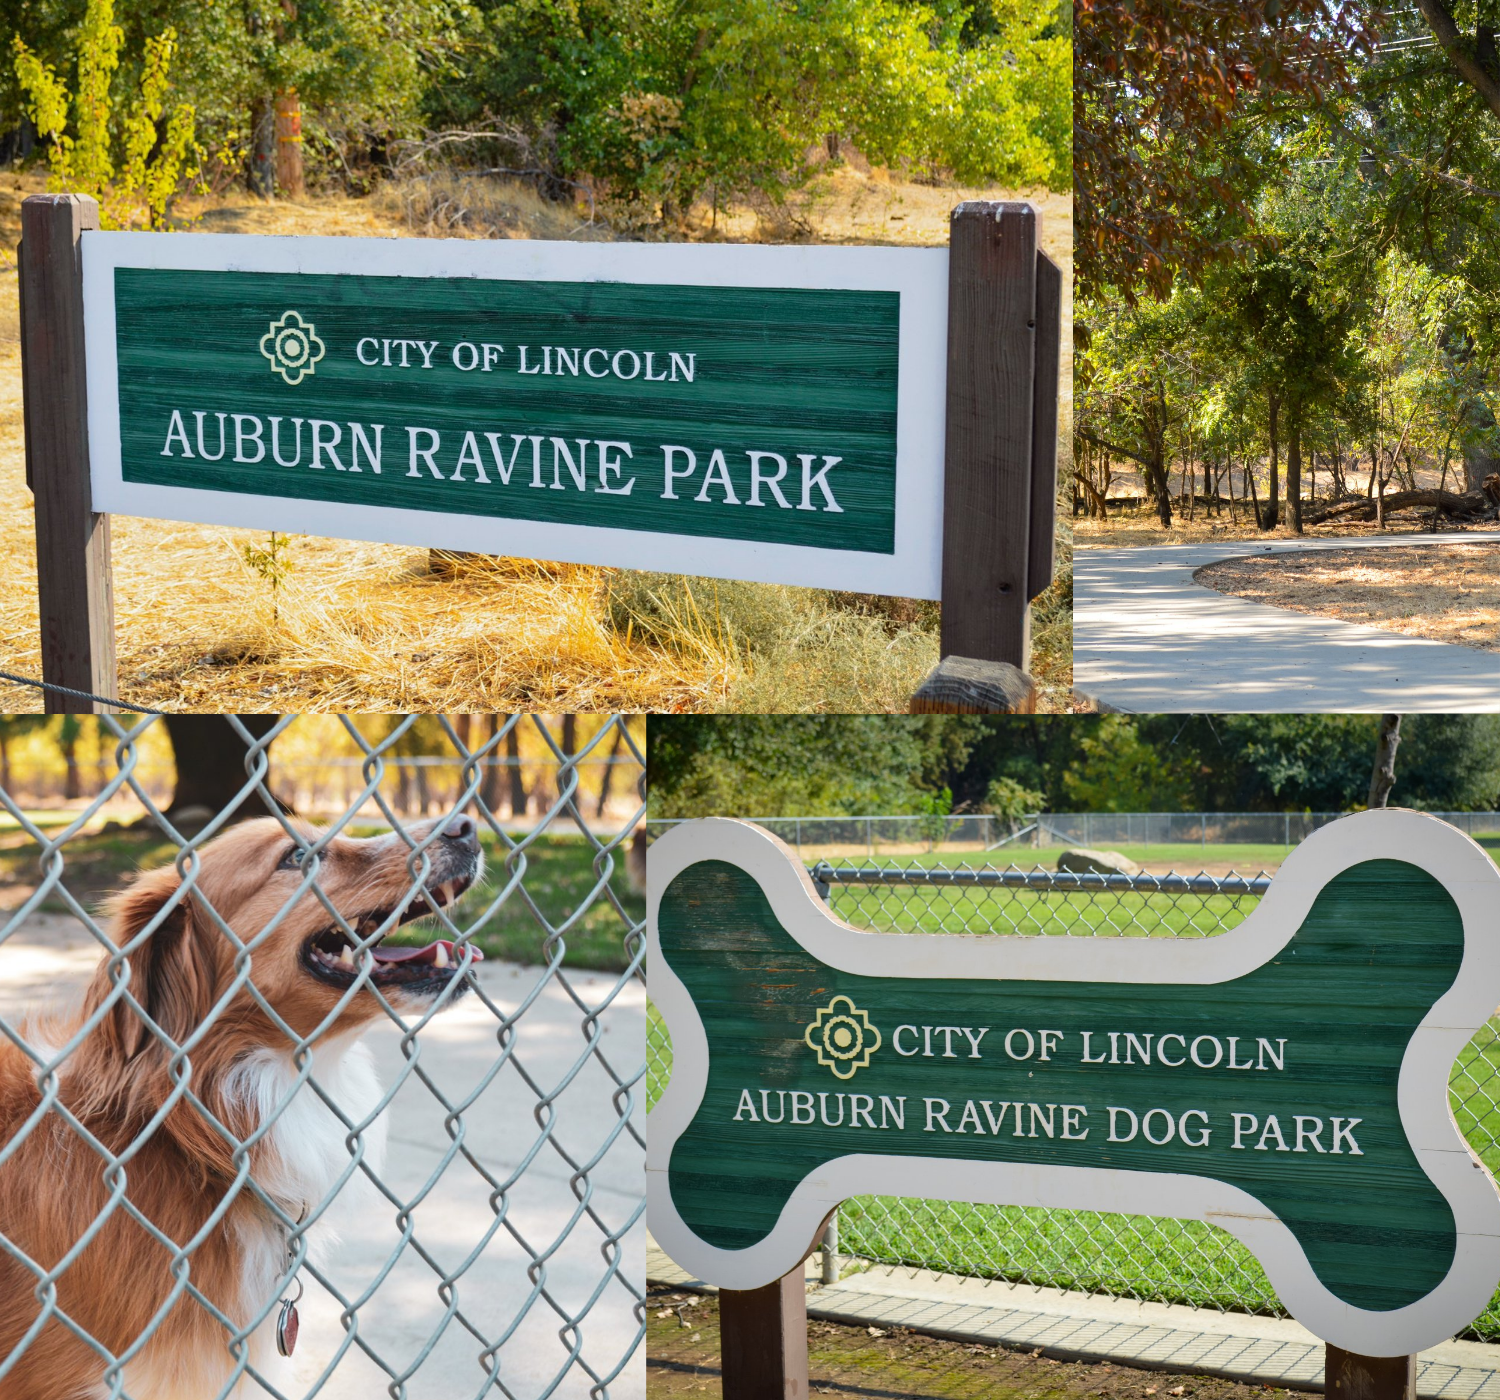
(178, 1168)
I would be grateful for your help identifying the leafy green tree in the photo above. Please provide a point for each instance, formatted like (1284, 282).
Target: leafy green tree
(155, 155)
(665, 103)
(793, 765)
(1449, 763)
(1291, 315)
(359, 69)
(864, 765)
(1163, 95)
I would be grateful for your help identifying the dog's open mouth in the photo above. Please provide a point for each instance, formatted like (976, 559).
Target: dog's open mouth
(331, 957)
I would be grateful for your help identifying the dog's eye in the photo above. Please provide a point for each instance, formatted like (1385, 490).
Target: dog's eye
(292, 860)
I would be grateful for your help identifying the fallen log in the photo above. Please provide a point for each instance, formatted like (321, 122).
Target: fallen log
(1451, 503)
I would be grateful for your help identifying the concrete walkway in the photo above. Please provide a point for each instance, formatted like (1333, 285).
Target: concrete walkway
(49, 959)
(1086, 1327)
(1148, 639)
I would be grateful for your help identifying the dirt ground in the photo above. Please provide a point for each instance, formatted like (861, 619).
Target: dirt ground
(370, 627)
(1448, 593)
(682, 1360)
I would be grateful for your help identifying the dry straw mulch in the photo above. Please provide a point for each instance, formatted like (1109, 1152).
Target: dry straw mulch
(1448, 593)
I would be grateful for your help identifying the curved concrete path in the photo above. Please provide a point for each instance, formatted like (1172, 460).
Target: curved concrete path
(1147, 638)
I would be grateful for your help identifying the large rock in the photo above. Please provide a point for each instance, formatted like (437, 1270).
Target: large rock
(1085, 862)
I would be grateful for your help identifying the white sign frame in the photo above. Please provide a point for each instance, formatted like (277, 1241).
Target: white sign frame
(919, 275)
(1451, 857)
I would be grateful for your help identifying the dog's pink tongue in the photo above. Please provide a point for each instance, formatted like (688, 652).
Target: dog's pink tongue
(427, 955)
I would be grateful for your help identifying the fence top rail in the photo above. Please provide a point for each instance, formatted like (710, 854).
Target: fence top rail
(1014, 878)
(1056, 817)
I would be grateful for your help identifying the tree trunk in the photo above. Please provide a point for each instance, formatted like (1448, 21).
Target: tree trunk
(517, 780)
(262, 172)
(210, 762)
(489, 790)
(67, 741)
(1480, 445)
(1160, 486)
(1470, 505)
(1383, 779)
(1158, 479)
(1294, 470)
(289, 144)
(609, 769)
(1273, 498)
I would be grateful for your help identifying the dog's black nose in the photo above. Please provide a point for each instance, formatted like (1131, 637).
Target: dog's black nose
(463, 829)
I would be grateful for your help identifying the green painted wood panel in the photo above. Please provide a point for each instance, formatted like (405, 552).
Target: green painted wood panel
(804, 374)
(1382, 942)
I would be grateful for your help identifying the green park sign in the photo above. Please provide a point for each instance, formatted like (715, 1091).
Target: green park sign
(878, 420)
(1286, 1080)
(768, 412)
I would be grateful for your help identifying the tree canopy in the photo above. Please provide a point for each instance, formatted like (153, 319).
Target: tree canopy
(645, 101)
(1328, 275)
(771, 766)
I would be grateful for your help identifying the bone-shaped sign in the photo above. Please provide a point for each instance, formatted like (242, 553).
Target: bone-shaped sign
(1286, 1080)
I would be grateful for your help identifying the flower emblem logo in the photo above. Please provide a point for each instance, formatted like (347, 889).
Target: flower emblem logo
(843, 1037)
(292, 346)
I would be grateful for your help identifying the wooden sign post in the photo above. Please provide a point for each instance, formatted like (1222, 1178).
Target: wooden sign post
(877, 420)
(1286, 1081)
(74, 582)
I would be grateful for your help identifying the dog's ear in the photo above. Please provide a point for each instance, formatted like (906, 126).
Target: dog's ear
(171, 971)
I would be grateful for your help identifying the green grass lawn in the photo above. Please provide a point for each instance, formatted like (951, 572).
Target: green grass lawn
(1185, 859)
(559, 878)
(921, 909)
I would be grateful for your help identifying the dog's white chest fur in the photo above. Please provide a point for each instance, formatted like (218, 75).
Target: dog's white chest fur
(312, 1151)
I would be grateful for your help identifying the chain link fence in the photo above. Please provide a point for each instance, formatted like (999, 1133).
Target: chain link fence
(248, 1095)
(1137, 1257)
(850, 837)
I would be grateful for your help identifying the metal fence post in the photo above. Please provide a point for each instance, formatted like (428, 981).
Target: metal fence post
(831, 1250)
(74, 589)
(987, 479)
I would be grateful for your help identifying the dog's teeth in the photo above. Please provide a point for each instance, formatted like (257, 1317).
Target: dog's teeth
(346, 956)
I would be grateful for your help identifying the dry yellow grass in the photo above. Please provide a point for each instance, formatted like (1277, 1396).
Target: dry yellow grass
(367, 627)
(1448, 593)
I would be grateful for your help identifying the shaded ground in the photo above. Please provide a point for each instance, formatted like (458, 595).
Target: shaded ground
(1448, 593)
(682, 1359)
(1140, 526)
